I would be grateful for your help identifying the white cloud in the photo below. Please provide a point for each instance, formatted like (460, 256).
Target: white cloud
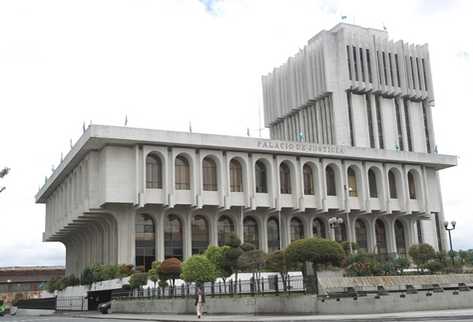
(168, 62)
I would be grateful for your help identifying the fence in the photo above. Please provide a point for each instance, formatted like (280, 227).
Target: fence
(71, 303)
(254, 287)
(37, 304)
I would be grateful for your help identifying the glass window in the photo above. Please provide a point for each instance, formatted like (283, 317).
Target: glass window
(420, 237)
(273, 234)
(225, 229)
(236, 176)
(173, 237)
(297, 229)
(183, 175)
(144, 242)
(412, 185)
(392, 185)
(200, 235)
(318, 228)
(261, 177)
(209, 174)
(380, 232)
(285, 178)
(372, 184)
(361, 235)
(330, 178)
(352, 186)
(153, 172)
(250, 231)
(308, 180)
(400, 238)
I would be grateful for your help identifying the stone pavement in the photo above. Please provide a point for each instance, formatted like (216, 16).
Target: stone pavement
(465, 314)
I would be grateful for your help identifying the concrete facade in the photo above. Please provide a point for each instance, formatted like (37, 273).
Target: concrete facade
(296, 180)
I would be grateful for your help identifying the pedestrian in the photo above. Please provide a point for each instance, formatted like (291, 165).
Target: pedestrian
(199, 302)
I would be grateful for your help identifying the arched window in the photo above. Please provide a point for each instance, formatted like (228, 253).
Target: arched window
(380, 232)
(183, 173)
(331, 181)
(392, 185)
(144, 242)
(352, 184)
(209, 174)
(318, 228)
(250, 231)
(261, 177)
(400, 237)
(236, 176)
(154, 175)
(173, 241)
(273, 234)
(361, 235)
(285, 178)
(309, 188)
(340, 232)
(225, 229)
(297, 229)
(412, 185)
(373, 185)
(200, 235)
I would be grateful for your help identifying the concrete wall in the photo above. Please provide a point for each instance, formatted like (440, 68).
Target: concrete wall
(300, 304)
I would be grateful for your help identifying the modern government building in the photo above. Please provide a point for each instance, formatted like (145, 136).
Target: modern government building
(351, 137)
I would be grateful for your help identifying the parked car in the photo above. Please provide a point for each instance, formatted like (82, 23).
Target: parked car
(105, 307)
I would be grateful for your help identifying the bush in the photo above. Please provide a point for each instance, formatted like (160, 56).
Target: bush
(55, 284)
(87, 277)
(198, 269)
(215, 256)
(233, 241)
(170, 268)
(421, 254)
(252, 260)
(138, 279)
(153, 272)
(364, 264)
(315, 250)
(246, 247)
(277, 262)
(346, 246)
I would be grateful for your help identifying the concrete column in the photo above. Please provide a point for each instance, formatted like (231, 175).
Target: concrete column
(238, 221)
(371, 235)
(213, 228)
(390, 235)
(263, 232)
(125, 236)
(187, 243)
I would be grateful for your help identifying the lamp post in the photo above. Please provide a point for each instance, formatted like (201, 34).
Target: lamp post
(449, 226)
(333, 223)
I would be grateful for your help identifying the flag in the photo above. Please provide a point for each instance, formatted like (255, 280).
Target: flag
(190, 127)
(126, 120)
(83, 127)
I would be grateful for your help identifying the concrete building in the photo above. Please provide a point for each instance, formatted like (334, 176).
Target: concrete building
(351, 137)
(25, 282)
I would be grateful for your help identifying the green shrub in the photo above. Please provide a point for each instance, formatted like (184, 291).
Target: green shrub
(198, 269)
(215, 254)
(138, 279)
(315, 250)
(252, 261)
(421, 254)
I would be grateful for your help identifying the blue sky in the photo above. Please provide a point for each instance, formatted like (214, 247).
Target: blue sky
(165, 63)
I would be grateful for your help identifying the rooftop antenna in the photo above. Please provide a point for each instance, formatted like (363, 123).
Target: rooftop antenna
(384, 27)
(126, 120)
(247, 131)
(190, 127)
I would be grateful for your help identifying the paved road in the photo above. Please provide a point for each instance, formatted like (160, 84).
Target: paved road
(56, 319)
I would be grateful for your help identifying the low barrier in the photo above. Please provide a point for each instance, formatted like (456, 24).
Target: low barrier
(37, 304)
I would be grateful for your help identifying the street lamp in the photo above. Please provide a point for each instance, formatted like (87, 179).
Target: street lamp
(334, 222)
(449, 226)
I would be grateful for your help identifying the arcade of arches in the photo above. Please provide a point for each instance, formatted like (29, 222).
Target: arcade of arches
(263, 232)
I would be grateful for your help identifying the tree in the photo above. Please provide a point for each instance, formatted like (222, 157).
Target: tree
(318, 251)
(231, 255)
(153, 272)
(215, 256)
(277, 262)
(252, 261)
(138, 279)
(421, 254)
(3, 173)
(87, 277)
(198, 269)
(170, 268)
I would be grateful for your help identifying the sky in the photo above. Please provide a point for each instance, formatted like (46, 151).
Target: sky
(163, 64)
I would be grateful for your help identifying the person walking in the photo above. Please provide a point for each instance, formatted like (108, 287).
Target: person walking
(199, 302)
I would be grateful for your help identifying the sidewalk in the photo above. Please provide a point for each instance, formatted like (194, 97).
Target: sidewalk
(402, 316)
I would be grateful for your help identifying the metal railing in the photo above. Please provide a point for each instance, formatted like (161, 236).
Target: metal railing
(71, 303)
(254, 287)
